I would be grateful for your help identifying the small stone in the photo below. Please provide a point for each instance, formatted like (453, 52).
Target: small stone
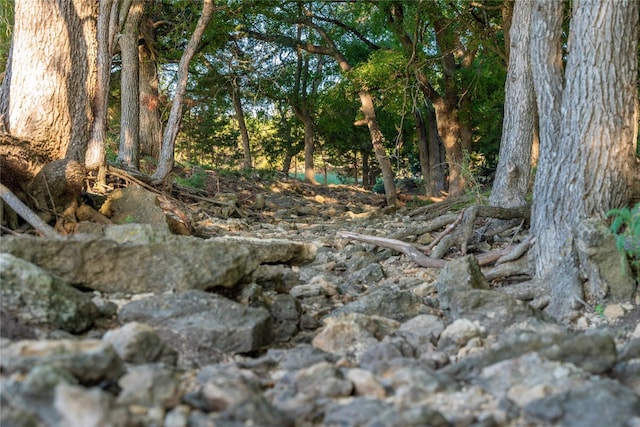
(613, 311)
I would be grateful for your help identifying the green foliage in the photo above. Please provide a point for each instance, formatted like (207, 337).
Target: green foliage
(626, 228)
(197, 179)
(6, 26)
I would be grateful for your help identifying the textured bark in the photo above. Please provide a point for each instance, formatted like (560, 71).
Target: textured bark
(431, 152)
(128, 150)
(48, 90)
(106, 29)
(165, 163)
(244, 133)
(150, 123)
(377, 140)
(587, 130)
(514, 167)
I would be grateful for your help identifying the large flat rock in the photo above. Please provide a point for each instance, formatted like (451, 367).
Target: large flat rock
(174, 264)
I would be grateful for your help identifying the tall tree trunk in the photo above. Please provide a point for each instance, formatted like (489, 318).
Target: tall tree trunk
(309, 149)
(106, 30)
(587, 131)
(430, 152)
(165, 163)
(150, 124)
(514, 166)
(128, 150)
(242, 125)
(48, 90)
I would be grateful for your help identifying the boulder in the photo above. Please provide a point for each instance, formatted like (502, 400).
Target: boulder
(202, 326)
(32, 296)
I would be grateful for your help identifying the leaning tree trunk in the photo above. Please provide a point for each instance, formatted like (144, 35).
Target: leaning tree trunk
(165, 163)
(128, 151)
(587, 131)
(514, 167)
(47, 93)
(247, 163)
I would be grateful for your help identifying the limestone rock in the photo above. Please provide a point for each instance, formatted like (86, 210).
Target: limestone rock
(138, 343)
(89, 361)
(176, 264)
(35, 297)
(201, 325)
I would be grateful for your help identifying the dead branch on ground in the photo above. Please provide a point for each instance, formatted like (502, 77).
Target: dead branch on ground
(27, 214)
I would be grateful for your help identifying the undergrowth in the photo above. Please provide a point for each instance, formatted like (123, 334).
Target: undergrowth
(626, 229)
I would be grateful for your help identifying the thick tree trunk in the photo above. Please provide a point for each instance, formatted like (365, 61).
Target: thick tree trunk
(106, 29)
(430, 152)
(242, 125)
(587, 131)
(128, 151)
(514, 167)
(48, 90)
(150, 123)
(165, 163)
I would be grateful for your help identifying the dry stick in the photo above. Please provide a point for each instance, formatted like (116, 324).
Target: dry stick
(27, 214)
(409, 250)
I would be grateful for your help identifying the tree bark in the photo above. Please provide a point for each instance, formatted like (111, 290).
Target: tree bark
(587, 131)
(128, 151)
(165, 163)
(150, 124)
(514, 167)
(242, 125)
(106, 29)
(49, 86)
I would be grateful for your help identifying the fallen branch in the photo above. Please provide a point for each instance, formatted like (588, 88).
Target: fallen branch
(27, 214)
(407, 249)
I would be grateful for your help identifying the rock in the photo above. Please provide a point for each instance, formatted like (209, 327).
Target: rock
(200, 325)
(458, 333)
(34, 297)
(386, 302)
(138, 343)
(529, 377)
(365, 384)
(180, 263)
(356, 413)
(350, 334)
(78, 407)
(285, 311)
(134, 205)
(150, 385)
(235, 396)
(462, 292)
(604, 266)
(89, 361)
(597, 402)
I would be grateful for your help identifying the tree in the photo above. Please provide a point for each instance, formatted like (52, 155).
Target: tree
(128, 151)
(519, 126)
(588, 131)
(48, 91)
(165, 162)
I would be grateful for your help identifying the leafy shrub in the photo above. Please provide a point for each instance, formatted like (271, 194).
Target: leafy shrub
(626, 228)
(197, 179)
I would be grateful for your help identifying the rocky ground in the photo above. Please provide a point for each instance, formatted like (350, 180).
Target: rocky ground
(273, 316)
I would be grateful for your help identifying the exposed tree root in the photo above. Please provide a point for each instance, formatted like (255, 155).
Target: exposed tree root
(463, 234)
